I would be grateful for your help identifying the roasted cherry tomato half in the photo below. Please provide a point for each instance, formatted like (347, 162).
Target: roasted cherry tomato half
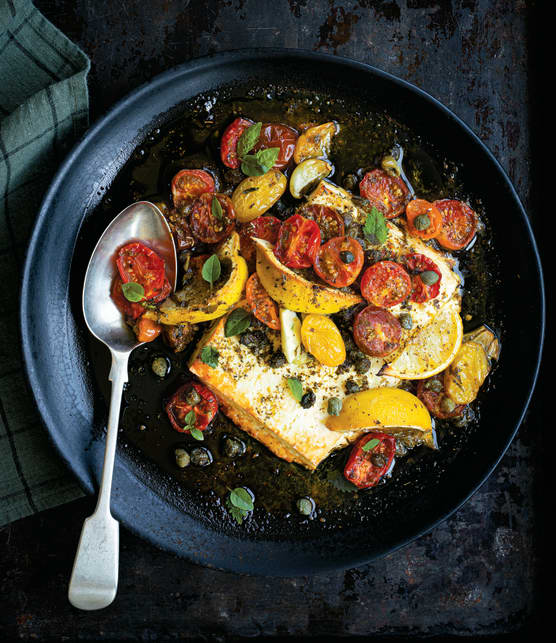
(190, 184)
(138, 263)
(207, 227)
(298, 242)
(147, 330)
(280, 136)
(329, 221)
(459, 224)
(130, 309)
(417, 264)
(376, 331)
(423, 219)
(364, 469)
(388, 194)
(265, 227)
(339, 261)
(385, 284)
(191, 396)
(228, 145)
(431, 393)
(262, 305)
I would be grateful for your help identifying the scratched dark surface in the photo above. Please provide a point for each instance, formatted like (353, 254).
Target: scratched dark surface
(479, 573)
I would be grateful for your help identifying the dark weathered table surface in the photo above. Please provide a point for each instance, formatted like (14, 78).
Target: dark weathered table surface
(480, 572)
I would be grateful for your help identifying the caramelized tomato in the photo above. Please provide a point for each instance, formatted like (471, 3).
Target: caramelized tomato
(265, 227)
(263, 307)
(431, 393)
(190, 184)
(423, 219)
(329, 221)
(417, 264)
(147, 330)
(376, 331)
(339, 261)
(130, 309)
(298, 242)
(207, 227)
(386, 193)
(228, 145)
(191, 397)
(385, 284)
(139, 264)
(459, 224)
(364, 469)
(280, 136)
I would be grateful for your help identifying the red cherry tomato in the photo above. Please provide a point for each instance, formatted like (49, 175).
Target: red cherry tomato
(138, 263)
(459, 224)
(386, 193)
(189, 184)
(420, 207)
(376, 331)
(147, 330)
(339, 261)
(417, 264)
(207, 227)
(228, 145)
(262, 305)
(385, 284)
(298, 242)
(431, 393)
(280, 136)
(329, 221)
(364, 469)
(266, 228)
(180, 404)
(130, 309)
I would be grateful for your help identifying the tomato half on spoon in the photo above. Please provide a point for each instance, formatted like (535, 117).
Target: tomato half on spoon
(228, 144)
(191, 397)
(426, 277)
(364, 469)
(423, 219)
(210, 222)
(280, 136)
(298, 242)
(388, 194)
(130, 309)
(376, 331)
(458, 225)
(385, 284)
(339, 261)
(265, 227)
(190, 184)
(262, 305)
(137, 263)
(329, 221)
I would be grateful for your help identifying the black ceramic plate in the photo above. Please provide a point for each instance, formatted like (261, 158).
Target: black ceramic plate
(56, 347)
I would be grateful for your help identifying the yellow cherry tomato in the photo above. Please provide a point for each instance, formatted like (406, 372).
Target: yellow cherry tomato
(323, 340)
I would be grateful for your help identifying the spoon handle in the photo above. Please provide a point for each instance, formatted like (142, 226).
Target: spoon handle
(94, 578)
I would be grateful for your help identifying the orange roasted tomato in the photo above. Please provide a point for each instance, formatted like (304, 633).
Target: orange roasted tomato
(459, 224)
(386, 193)
(385, 284)
(262, 306)
(423, 219)
(147, 330)
(339, 261)
(323, 340)
(189, 184)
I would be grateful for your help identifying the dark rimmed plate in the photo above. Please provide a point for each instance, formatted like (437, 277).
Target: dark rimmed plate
(54, 340)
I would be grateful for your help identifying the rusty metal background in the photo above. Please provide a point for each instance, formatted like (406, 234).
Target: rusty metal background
(479, 573)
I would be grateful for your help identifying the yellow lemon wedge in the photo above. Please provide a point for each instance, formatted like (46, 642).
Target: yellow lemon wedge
(432, 349)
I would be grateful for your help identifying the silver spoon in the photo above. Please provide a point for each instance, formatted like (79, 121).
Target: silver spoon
(94, 578)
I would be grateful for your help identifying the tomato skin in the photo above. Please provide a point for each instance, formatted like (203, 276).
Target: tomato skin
(130, 309)
(432, 399)
(360, 469)
(147, 330)
(264, 227)
(458, 226)
(178, 407)
(330, 267)
(376, 331)
(281, 136)
(204, 225)
(385, 284)
(190, 184)
(386, 193)
(298, 242)
(329, 221)
(228, 144)
(417, 207)
(262, 305)
(417, 263)
(138, 263)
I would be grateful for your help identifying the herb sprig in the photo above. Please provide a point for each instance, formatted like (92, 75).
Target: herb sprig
(190, 421)
(375, 228)
(261, 161)
(239, 504)
(133, 292)
(370, 445)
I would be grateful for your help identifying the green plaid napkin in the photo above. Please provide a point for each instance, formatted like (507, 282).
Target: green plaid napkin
(43, 108)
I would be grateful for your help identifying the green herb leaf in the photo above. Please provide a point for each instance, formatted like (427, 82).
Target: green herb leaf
(190, 419)
(370, 445)
(250, 166)
(210, 355)
(248, 139)
(237, 514)
(241, 498)
(375, 228)
(296, 388)
(211, 269)
(197, 434)
(132, 291)
(268, 157)
(216, 209)
(238, 321)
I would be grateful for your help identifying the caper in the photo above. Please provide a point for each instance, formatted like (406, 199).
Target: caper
(352, 386)
(182, 458)
(406, 321)
(192, 397)
(305, 506)
(308, 399)
(347, 257)
(233, 447)
(277, 359)
(379, 459)
(362, 365)
(201, 457)
(422, 222)
(435, 385)
(429, 277)
(334, 406)
(160, 366)
(447, 405)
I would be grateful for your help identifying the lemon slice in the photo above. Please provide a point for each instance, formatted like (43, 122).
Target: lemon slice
(432, 349)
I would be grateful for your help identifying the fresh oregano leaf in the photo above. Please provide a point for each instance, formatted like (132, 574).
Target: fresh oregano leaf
(197, 434)
(211, 269)
(250, 166)
(268, 157)
(241, 498)
(190, 419)
(209, 355)
(237, 514)
(370, 445)
(238, 321)
(296, 388)
(248, 139)
(133, 292)
(216, 209)
(375, 228)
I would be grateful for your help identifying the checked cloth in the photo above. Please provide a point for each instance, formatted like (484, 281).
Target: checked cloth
(44, 107)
